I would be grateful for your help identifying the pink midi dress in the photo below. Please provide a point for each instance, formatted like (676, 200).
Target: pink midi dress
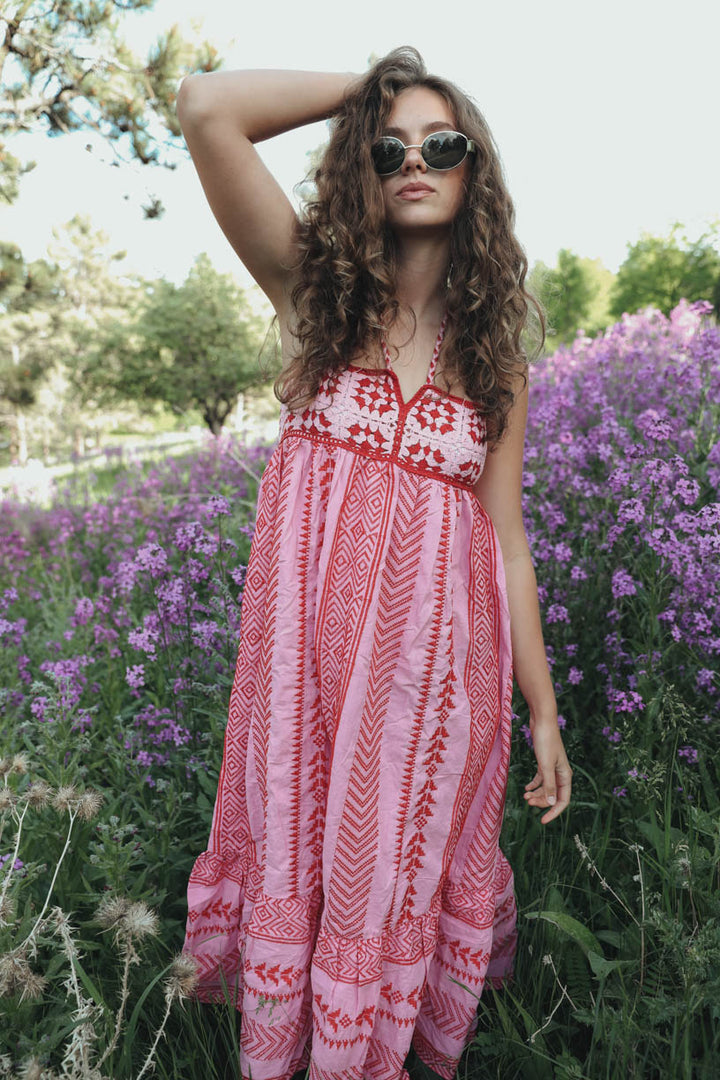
(353, 898)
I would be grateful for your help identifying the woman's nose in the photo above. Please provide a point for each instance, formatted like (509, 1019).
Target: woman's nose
(414, 159)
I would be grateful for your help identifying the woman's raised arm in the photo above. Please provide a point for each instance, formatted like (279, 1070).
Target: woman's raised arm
(222, 114)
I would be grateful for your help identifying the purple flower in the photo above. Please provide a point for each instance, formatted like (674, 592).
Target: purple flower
(631, 510)
(575, 676)
(9, 597)
(618, 480)
(205, 635)
(144, 641)
(623, 701)
(151, 557)
(705, 679)
(557, 613)
(39, 707)
(217, 505)
(622, 584)
(82, 720)
(135, 676)
(23, 666)
(193, 537)
(84, 611)
(17, 864)
(238, 574)
(611, 736)
(689, 753)
(656, 471)
(563, 552)
(125, 575)
(620, 792)
(653, 426)
(687, 491)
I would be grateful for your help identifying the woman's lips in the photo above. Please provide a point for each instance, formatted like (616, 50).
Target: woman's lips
(414, 193)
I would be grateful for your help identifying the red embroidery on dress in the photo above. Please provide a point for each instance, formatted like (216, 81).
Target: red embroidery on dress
(435, 434)
(351, 501)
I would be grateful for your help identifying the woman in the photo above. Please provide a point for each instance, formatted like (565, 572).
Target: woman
(353, 897)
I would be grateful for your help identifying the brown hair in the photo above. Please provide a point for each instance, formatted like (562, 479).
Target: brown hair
(347, 255)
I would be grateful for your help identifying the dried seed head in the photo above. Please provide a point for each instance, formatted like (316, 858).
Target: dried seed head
(38, 794)
(61, 920)
(60, 923)
(182, 978)
(20, 764)
(5, 766)
(581, 847)
(89, 804)
(31, 1069)
(14, 971)
(111, 910)
(7, 911)
(141, 921)
(8, 798)
(32, 986)
(66, 798)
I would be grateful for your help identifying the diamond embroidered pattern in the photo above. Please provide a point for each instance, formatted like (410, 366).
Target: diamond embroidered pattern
(353, 889)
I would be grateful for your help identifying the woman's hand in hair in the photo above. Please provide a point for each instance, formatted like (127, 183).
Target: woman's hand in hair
(222, 115)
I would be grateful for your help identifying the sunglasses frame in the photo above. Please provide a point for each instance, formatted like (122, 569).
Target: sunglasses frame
(469, 149)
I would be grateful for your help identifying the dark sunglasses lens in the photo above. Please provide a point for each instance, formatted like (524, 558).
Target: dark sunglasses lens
(444, 150)
(388, 155)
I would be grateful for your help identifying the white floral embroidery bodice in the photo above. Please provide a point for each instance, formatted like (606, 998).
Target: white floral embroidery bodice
(363, 410)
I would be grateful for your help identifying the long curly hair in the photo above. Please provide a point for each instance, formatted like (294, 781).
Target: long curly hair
(345, 298)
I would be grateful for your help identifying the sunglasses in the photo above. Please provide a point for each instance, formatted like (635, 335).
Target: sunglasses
(441, 150)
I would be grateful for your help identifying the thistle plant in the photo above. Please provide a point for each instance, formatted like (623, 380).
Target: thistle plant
(40, 946)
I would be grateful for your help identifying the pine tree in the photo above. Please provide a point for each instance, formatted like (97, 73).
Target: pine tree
(64, 67)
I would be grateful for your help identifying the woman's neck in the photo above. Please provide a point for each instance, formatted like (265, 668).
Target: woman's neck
(422, 266)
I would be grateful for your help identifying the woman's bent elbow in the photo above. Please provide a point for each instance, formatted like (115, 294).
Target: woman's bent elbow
(191, 100)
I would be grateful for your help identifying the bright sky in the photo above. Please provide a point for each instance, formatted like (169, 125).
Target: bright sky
(605, 115)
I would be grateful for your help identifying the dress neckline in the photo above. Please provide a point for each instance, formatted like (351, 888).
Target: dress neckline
(429, 381)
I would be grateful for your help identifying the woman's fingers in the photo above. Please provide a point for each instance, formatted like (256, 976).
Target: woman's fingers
(552, 784)
(559, 796)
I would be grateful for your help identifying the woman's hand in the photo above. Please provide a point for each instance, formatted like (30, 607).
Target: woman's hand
(552, 782)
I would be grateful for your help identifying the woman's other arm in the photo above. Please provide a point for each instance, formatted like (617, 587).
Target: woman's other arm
(499, 490)
(222, 114)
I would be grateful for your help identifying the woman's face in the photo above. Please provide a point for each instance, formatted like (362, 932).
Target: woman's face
(415, 113)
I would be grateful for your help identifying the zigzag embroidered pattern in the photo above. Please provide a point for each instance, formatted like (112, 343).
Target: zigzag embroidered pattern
(353, 886)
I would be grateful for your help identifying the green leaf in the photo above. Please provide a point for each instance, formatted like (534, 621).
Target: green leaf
(570, 926)
(602, 967)
(129, 1038)
(90, 985)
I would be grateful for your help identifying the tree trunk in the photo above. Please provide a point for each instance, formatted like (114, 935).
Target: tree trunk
(215, 414)
(78, 441)
(46, 435)
(239, 418)
(21, 436)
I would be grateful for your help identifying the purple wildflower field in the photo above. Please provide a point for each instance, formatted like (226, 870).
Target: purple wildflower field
(623, 517)
(116, 606)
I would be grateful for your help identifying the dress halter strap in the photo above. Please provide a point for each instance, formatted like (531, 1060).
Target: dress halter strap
(436, 350)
